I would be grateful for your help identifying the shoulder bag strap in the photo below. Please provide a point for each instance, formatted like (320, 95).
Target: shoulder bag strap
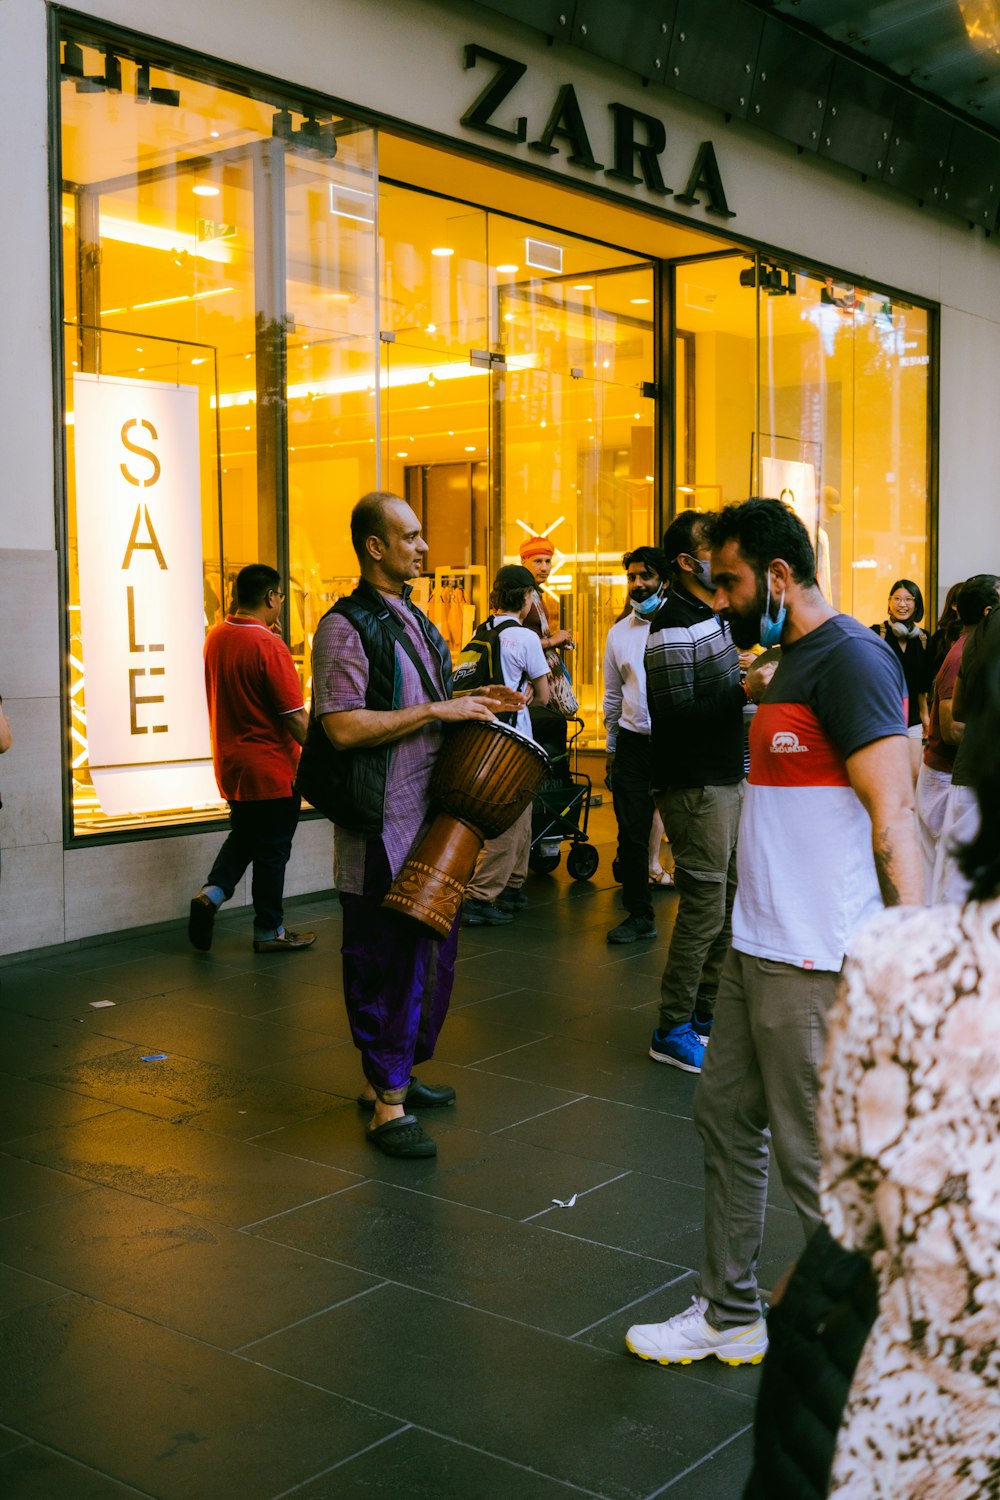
(398, 632)
(352, 603)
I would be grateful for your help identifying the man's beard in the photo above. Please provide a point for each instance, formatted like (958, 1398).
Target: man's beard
(745, 626)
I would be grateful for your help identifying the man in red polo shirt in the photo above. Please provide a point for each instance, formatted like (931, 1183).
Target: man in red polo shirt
(258, 722)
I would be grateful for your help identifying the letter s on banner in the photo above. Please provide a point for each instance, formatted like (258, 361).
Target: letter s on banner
(138, 510)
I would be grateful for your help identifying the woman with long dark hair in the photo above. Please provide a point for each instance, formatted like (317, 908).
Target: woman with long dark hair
(949, 628)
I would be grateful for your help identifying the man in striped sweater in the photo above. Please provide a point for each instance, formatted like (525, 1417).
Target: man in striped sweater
(696, 696)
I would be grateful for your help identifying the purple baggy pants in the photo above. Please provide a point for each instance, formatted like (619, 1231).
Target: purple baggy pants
(397, 982)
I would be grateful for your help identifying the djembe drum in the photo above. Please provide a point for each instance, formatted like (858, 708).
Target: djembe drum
(484, 778)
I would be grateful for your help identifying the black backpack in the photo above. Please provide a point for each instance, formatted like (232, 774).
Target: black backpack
(478, 665)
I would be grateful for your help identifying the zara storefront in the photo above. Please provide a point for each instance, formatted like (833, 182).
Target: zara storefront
(413, 246)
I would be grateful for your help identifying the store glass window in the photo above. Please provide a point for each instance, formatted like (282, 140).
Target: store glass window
(219, 335)
(794, 384)
(257, 329)
(844, 376)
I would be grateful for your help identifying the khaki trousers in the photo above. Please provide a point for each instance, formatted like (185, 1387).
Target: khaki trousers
(702, 824)
(759, 1083)
(502, 861)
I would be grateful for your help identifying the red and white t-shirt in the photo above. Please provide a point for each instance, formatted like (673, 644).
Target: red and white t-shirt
(251, 683)
(807, 876)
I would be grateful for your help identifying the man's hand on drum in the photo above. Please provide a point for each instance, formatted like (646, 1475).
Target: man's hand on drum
(505, 700)
(468, 706)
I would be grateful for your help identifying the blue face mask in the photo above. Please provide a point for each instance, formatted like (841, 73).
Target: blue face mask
(771, 626)
(647, 607)
(702, 570)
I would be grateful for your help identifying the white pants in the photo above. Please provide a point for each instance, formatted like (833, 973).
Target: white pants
(932, 802)
(961, 823)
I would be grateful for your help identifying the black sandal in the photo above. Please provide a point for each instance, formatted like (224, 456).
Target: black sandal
(402, 1137)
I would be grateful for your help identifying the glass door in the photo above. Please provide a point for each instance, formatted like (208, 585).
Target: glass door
(330, 368)
(575, 417)
(715, 381)
(434, 393)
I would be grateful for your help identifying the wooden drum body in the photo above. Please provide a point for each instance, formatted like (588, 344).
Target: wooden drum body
(485, 776)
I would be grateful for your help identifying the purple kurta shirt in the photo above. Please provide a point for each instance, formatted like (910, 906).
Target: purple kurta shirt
(340, 681)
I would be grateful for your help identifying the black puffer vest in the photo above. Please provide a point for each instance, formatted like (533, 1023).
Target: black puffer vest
(368, 612)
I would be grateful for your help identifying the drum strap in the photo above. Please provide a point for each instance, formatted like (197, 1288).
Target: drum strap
(399, 633)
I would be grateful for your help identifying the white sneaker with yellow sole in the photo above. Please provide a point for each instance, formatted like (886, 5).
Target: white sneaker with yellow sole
(689, 1336)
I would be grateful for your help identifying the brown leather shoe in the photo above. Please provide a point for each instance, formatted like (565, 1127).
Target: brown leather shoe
(288, 942)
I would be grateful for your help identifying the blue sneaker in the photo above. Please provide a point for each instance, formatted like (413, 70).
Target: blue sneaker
(702, 1029)
(680, 1047)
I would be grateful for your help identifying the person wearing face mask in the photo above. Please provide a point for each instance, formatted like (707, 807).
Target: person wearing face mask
(626, 722)
(828, 837)
(696, 698)
(902, 632)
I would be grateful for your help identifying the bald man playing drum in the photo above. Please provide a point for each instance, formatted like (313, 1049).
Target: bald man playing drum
(381, 690)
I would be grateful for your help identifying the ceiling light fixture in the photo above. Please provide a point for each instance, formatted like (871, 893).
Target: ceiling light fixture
(205, 190)
(442, 251)
(639, 301)
(508, 270)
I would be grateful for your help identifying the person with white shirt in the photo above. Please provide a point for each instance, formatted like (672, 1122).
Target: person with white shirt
(494, 892)
(626, 723)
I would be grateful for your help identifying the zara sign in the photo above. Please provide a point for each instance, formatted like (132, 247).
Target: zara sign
(637, 140)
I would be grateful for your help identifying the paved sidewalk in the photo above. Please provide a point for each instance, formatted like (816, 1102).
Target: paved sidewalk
(214, 1289)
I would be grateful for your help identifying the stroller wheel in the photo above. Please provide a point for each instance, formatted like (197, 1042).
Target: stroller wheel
(582, 861)
(542, 863)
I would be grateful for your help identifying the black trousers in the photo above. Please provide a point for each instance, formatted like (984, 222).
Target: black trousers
(634, 809)
(261, 835)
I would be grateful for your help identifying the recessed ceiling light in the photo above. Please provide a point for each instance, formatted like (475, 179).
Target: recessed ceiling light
(204, 190)
(509, 270)
(402, 455)
(639, 301)
(583, 286)
(471, 448)
(442, 250)
(198, 361)
(340, 296)
(214, 134)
